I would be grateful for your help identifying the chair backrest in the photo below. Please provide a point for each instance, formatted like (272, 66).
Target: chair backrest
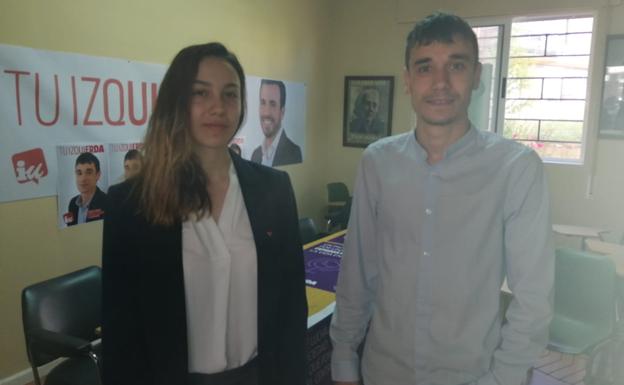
(585, 288)
(341, 217)
(337, 192)
(69, 304)
(307, 230)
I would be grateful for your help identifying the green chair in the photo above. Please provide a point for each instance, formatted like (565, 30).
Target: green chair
(337, 196)
(584, 301)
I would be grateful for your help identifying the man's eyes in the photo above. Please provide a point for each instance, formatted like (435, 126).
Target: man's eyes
(458, 66)
(453, 67)
(421, 69)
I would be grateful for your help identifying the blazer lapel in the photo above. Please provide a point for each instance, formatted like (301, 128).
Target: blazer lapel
(281, 149)
(254, 194)
(262, 218)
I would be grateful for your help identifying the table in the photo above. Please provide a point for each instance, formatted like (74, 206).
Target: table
(579, 231)
(602, 247)
(322, 263)
(612, 250)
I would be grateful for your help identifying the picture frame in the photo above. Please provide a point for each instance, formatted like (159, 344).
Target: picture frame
(611, 124)
(367, 114)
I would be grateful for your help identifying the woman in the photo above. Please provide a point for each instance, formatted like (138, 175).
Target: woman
(203, 276)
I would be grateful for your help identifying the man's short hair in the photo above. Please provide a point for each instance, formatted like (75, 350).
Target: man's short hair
(133, 154)
(282, 89)
(441, 28)
(88, 158)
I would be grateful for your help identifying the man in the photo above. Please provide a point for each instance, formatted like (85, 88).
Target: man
(276, 148)
(91, 203)
(366, 113)
(133, 161)
(440, 217)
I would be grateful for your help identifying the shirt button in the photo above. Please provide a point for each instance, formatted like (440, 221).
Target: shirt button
(428, 211)
(426, 253)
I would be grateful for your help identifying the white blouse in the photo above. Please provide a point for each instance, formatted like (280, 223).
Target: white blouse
(220, 281)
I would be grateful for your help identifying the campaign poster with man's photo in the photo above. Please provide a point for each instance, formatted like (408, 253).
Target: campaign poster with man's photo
(82, 183)
(124, 161)
(273, 133)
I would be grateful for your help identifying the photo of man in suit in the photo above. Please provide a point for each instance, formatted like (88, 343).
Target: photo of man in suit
(91, 204)
(276, 149)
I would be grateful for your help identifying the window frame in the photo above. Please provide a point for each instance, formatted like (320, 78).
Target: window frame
(505, 25)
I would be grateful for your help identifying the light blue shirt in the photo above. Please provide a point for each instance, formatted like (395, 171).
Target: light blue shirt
(268, 152)
(427, 250)
(83, 209)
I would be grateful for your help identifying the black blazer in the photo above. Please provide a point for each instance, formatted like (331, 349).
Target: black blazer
(96, 209)
(144, 316)
(286, 152)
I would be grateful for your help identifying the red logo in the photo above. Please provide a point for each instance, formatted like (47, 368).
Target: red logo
(95, 214)
(68, 218)
(29, 166)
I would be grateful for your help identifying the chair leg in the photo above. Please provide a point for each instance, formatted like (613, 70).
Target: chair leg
(96, 360)
(36, 375)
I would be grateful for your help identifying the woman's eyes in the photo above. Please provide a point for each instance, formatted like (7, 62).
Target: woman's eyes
(231, 94)
(203, 93)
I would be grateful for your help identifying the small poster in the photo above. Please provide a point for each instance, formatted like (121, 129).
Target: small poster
(82, 183)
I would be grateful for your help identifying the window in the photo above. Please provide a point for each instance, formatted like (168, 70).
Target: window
(538, 73)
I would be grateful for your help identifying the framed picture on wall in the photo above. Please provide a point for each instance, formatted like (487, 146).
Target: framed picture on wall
(367, 109)
(612, 107)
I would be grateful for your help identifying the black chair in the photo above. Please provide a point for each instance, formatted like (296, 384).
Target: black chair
(340, 218)
(60, 318)
(308, 230)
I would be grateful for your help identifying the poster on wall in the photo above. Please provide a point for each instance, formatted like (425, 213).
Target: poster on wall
(124, 161)
(273, 133)
(49, 99)
(82, 183)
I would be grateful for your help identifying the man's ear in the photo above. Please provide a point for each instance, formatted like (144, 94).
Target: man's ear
(477, 76)
(406, 81)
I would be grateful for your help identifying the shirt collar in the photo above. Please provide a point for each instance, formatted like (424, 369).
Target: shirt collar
(268, 151)
(79, 202)
(454, 150)
(461, 145)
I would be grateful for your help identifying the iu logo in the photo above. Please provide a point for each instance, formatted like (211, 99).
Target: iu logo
(29, 166)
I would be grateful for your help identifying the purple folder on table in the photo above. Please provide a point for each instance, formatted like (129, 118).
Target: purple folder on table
(322, 263)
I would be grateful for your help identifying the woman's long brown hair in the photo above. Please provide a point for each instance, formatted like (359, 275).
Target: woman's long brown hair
(172, 184)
